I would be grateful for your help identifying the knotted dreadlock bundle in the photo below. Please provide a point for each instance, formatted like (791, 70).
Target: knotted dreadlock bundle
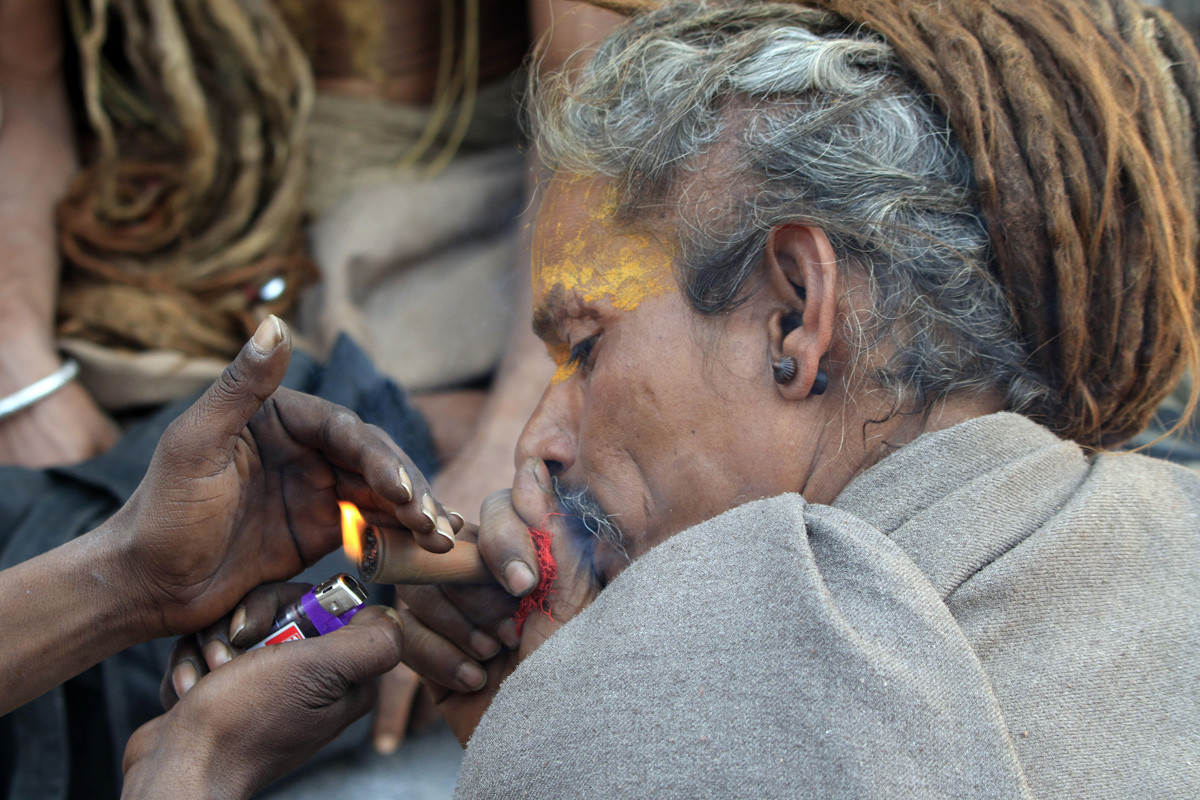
(1080, 119)
(191, 199)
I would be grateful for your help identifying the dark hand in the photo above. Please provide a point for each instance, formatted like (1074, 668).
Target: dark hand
(195, 655)
(442, 620)
(243, 490)
(262, 714)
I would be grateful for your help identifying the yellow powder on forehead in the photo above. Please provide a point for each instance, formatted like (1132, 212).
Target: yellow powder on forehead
(577, 246)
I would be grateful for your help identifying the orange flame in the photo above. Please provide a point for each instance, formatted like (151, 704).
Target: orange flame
(353, 525)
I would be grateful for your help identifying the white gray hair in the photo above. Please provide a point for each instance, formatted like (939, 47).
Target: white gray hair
(824, 130)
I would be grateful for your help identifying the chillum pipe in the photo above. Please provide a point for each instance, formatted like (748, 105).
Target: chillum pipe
(395, 557)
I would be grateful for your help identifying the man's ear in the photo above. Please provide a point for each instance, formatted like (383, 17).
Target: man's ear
(802, 282)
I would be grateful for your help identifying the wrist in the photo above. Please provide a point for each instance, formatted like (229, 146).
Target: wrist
(123, 596)
(179, 770)
(65, 426)
(28, 354)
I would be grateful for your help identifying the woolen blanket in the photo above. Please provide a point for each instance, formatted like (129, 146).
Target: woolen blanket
(987, 612)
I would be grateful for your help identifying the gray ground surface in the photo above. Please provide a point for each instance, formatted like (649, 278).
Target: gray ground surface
(424, 768)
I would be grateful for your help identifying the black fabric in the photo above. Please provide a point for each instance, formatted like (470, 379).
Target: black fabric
(41, 509)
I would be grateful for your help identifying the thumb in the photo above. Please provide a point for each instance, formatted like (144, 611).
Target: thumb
(368, 647)
(222, 412)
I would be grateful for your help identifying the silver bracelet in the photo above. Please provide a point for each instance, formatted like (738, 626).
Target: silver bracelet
(39, 390)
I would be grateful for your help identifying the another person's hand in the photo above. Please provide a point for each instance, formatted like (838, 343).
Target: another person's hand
(263, 713)
(443, 624)
(243, 490)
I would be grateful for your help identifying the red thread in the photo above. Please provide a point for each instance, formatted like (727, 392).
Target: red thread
(539, 598)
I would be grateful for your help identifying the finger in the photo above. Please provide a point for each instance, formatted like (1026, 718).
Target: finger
(437, 537)
(370, 645)
(533, 495)
(488, 608)
(397, 693)
(326, 672)
(255, 616)
(369, 461)
(437, 660)
(215, 421)
(435, 610)
(185, 667)
(214, 644)
(505, 545)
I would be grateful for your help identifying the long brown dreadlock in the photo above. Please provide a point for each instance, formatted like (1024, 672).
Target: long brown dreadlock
(191, 199)
(1080, 117)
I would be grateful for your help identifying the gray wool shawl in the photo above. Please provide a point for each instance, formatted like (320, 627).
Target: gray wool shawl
(985, 613)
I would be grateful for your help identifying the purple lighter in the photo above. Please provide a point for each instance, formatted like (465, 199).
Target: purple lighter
(323, 608)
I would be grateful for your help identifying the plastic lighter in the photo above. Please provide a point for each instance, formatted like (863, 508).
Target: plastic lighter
(323, 608)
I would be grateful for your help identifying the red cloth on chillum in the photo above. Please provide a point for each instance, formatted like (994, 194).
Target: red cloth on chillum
(539, 598)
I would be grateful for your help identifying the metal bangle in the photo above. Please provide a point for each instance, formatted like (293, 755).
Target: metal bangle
(39, 390)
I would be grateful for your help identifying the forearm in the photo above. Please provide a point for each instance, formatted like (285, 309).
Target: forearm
(63, 612)
(37, 159)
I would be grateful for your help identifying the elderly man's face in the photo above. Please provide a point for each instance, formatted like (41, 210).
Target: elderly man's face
(662, 415)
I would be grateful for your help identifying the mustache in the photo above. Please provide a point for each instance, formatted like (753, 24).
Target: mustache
(582, 505)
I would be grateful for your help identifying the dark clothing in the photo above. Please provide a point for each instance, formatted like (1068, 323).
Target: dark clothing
(69, 742)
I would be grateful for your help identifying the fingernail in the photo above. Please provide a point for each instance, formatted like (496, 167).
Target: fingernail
(395, 615)
(217, 653)
(519, 578)
(456, 519)
(443, 527)
(470, 676)
(429, 511)
(507, 631)
(405, 484)
(386, 743)
(237, 622)
(268, 335)
(184, 677)
(484, 646)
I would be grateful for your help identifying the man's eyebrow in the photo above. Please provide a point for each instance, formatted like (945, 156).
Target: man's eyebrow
(545, 316)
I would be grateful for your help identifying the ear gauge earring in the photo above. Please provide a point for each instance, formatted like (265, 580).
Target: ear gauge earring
(820, 382)
(784, 369)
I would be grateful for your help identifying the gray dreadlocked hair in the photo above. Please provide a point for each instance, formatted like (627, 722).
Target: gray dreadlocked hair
(825, 130)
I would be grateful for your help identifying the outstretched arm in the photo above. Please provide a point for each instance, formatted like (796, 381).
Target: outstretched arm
(242, 490)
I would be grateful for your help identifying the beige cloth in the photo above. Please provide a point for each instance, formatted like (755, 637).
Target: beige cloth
(984, 613)
(419, 269)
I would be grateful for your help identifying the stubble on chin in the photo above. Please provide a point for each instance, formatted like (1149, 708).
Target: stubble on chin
(590, 517)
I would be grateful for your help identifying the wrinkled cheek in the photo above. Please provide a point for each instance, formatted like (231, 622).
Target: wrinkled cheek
(617, 475)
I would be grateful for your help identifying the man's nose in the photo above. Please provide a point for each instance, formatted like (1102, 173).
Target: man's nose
(549, 433)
